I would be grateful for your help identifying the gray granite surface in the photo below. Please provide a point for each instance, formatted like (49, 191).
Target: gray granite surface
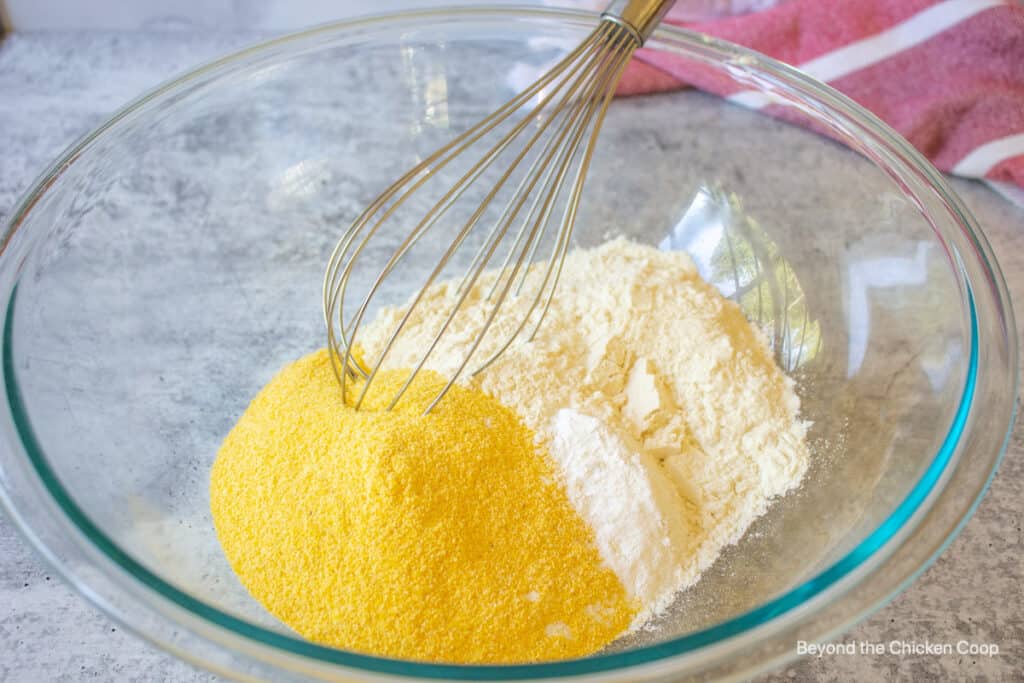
(54, 87)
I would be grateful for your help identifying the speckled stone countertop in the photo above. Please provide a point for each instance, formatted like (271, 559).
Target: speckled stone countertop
(54, 87)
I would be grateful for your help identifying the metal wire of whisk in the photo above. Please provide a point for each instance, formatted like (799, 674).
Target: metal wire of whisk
(553, 126)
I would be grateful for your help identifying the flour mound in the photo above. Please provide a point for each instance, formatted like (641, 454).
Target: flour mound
(681, 427)
(642, 526)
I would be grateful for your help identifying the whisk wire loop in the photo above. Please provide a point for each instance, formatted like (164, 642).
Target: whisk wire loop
(589, 108)
(571, 101)
(467, 227)
(335, 277)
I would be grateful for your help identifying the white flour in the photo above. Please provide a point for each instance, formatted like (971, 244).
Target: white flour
(671, 424)
(642, 526)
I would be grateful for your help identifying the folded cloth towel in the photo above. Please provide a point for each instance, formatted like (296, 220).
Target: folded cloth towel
(947, 74)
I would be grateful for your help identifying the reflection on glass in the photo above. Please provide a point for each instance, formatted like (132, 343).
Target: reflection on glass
(734, 253)
(885, 274)
(301, 180)
(423, 70)
(880, 272)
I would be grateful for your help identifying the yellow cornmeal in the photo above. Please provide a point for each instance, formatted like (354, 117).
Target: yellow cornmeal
(442, 537)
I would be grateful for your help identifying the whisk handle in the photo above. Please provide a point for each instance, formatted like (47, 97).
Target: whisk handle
(641, 17)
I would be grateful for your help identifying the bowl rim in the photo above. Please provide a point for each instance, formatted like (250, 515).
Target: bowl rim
(821, 585)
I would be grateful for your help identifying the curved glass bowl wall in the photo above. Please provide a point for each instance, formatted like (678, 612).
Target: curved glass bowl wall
(162, 271)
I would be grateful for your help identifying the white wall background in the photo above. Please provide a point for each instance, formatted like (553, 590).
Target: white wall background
(268, 15)
(226, 15)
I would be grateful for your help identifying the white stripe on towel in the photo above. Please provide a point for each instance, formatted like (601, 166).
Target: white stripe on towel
(985, 157)
(871, 50)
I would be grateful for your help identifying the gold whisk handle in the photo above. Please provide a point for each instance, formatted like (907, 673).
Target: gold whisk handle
(639, 17)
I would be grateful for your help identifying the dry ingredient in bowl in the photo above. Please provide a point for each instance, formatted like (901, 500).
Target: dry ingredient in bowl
(558, 499)
(684, 399)
(444, 538)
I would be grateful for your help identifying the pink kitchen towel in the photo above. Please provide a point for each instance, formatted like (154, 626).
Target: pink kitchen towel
(947, 74)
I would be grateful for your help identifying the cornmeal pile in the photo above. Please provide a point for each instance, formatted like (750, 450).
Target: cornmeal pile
(556, 500)
(443, 537)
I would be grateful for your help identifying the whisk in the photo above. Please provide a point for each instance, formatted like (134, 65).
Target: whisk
(544, 136)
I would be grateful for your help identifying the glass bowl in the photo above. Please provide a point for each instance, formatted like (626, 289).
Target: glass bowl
(170, 262)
